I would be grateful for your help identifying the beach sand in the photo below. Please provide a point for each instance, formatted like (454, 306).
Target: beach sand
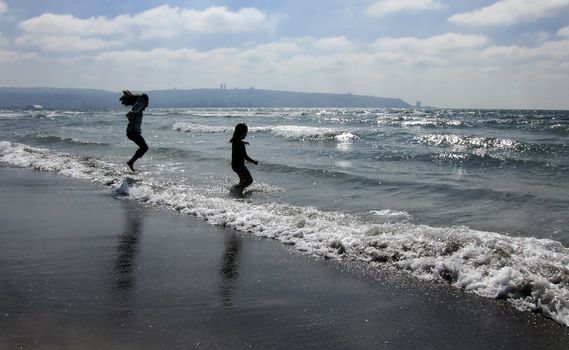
(81, 269)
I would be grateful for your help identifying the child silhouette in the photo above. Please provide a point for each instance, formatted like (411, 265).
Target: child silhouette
(133, 130)
(239, 155)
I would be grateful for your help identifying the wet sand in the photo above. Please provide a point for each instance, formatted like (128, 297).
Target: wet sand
(81, 269)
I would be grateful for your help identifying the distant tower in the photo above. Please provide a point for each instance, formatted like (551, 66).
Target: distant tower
(418, 104)
(220, 86)
(224, 87)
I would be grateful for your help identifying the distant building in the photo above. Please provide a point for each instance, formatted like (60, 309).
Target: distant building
(418, 104)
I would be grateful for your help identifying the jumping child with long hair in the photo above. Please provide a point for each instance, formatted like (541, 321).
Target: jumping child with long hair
(133, 130)
(239, 155)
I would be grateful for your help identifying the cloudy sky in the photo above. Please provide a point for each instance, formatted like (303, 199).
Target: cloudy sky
(449, 53)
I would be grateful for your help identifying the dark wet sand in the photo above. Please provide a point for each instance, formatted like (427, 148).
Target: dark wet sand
(80, 269)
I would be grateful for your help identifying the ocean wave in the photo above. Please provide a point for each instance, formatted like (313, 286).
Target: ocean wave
(392, 214)
(307, 133)
(27, 114)
(68, 140)
(345, 137)
(481, 157)
(294, 132)
(530, 273)
(201, 129)
(10, 115)
(227, 112)
(62, 163)
(433, 123)
(498, 120)
(559, 129)
(491, 147)
(468, 142)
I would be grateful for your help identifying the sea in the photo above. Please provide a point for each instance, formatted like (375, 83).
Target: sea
(475, 199)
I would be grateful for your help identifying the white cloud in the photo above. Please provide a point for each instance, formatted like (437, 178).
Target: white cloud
(3, 7)
(385, 7)
(160, 22)
(260, 54)
(211, 20)
(336, 43)
(491, 69)
(550, 53)
(3, 41)
(536, 37)
(13, 56)
(433, 45)
(150, 57)
(510, 12)
(284, 63)
(166, 19)
(556, 50)
(431, 69)
(508, 53)
(64, 43)
(54, 24)
(563, 31)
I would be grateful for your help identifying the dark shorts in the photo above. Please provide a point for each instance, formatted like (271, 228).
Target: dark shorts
(137, 138)
(240, 169)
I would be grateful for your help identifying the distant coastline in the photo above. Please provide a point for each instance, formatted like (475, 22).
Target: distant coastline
(180, 98)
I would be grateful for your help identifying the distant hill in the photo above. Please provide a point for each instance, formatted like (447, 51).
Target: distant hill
(90, 98)
(57, 98)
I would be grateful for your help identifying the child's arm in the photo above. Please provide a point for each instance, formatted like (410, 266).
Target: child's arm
(251, 160)
(247, 158)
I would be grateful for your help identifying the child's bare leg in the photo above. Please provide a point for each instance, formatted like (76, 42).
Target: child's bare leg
(130, 163)
(242, 181)
(246, 179)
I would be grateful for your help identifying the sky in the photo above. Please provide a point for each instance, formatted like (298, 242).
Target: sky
(444, 53)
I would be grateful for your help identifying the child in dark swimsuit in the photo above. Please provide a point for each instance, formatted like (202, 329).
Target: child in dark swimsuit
(133, 130)
(239, 155)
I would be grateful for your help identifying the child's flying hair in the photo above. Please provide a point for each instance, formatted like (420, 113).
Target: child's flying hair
(129, 99)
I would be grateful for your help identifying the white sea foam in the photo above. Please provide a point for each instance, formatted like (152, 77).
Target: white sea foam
(345, 137)
(309, 132)
(531, 273)
(287, 131)
(9, 115)
(200, 129)
(414, 122)
(468, 142)
(392, 214)
(343, 164)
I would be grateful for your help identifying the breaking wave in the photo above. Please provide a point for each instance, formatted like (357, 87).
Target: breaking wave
(293, 132)
(468, 142)
(200, 129)
(67, 140)
(530, 273)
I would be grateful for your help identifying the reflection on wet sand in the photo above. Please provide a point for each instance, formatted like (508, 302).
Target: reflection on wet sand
(128, 247)
(228, 269)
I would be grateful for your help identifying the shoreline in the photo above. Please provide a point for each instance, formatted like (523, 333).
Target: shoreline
(82, 269)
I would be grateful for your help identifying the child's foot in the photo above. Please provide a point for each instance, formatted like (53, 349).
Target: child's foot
(236, 190)
(130, 165)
